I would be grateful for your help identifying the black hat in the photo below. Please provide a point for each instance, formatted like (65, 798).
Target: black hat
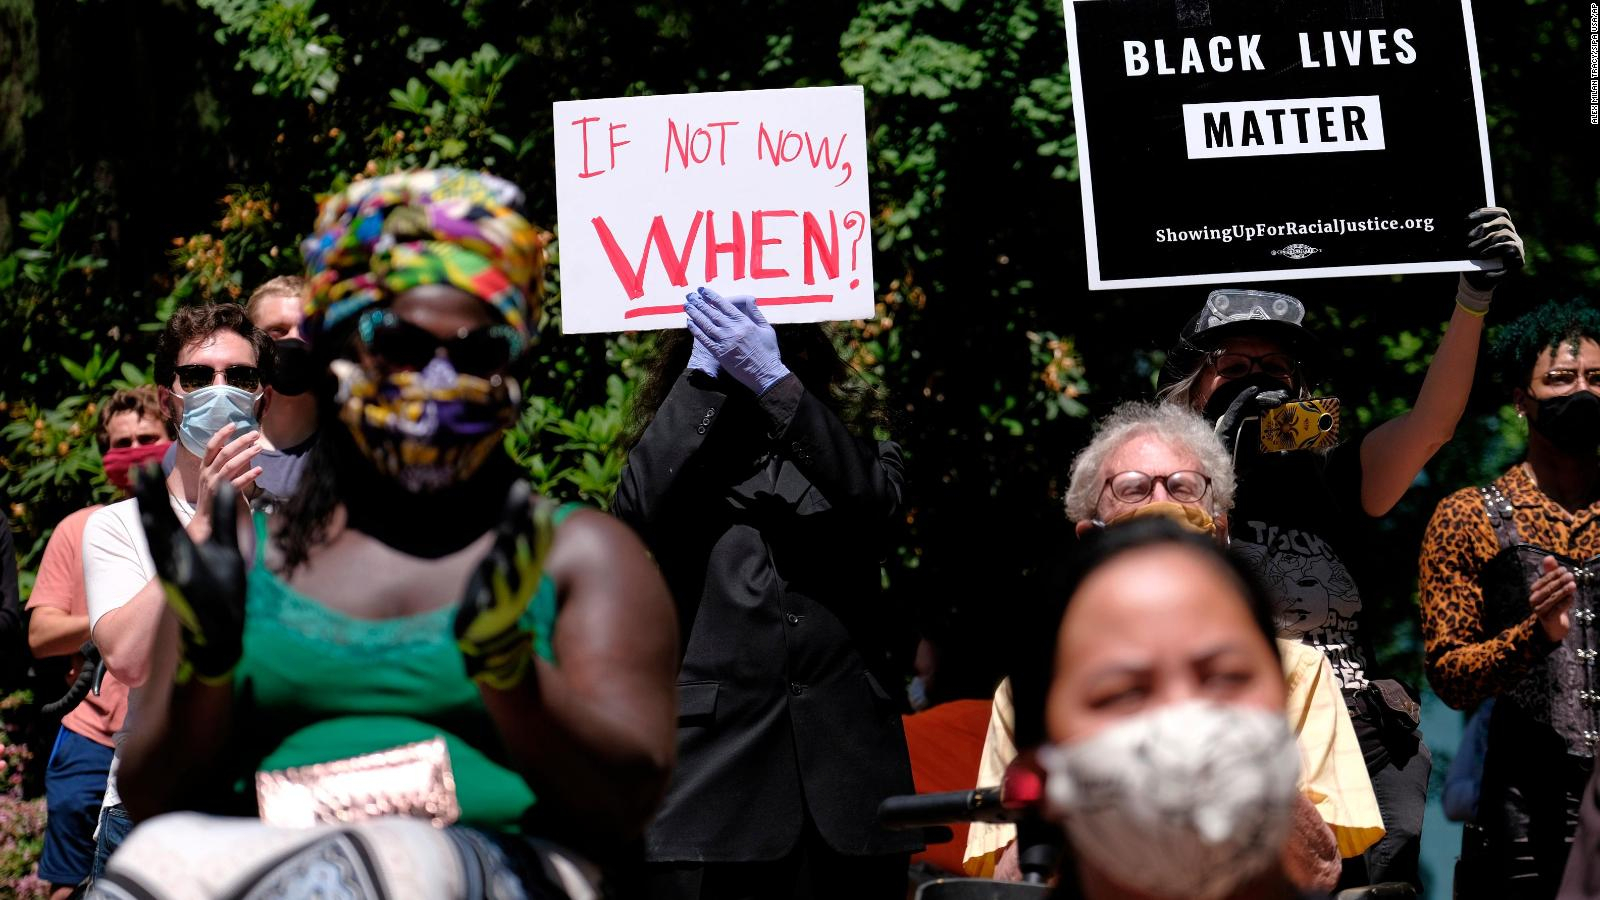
(1234, 311)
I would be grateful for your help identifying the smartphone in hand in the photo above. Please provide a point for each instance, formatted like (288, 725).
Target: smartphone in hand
(1301, 425)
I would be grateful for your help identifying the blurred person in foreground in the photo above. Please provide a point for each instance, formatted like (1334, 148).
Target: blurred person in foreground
(1302, 516)
(1168, 763)
(770, 507)
(1509, 604)
(1162, 461)
(425, 681)
(133, 432)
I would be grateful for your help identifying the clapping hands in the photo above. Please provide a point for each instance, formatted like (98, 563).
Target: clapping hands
(732, 334)
(204, 582)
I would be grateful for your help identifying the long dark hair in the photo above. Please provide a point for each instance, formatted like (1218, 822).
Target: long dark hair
(809, 352)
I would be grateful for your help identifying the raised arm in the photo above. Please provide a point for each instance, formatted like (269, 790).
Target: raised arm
(1396, 451)
(182, 730)
(656, 466)
(1465, 663)
(851, 473)
(185, 709)
(594, 731)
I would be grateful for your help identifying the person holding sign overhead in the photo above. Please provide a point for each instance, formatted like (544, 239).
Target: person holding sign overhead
(1298, 515)
(768, 515)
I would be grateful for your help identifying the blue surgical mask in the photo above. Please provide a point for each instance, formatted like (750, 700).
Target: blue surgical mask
(206, 410)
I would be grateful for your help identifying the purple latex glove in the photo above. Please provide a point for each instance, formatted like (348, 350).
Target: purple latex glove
(744, 344)
(701, 356)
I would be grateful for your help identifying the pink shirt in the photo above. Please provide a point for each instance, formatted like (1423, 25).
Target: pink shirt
(60, 586)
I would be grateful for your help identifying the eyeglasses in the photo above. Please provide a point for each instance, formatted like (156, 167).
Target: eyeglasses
(1184, 486)
(403, 346)
(1566, 377)
(1237, 365)
(195, 377)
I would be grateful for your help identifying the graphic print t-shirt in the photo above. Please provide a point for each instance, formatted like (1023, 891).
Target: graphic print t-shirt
(1294, 522)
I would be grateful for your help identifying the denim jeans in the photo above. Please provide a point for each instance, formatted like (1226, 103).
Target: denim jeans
(114, 826)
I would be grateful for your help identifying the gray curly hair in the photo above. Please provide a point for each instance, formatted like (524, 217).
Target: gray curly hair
(1177, 426)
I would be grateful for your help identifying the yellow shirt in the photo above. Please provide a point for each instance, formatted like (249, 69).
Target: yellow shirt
(1333, 775)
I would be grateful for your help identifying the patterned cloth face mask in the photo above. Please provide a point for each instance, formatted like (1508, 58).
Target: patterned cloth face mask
(1187, 801)
(426, 429)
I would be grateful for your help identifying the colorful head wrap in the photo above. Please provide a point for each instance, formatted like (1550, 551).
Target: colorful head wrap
(383, 236)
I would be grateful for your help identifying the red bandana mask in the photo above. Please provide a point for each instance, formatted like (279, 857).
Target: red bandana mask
(121, 462)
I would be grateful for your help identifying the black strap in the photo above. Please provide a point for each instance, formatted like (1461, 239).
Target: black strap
(1498, 508)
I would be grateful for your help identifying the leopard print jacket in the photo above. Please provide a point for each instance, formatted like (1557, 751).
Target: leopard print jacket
(1473, 649)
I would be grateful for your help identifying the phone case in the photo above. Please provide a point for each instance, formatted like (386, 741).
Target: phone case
(1301, 425)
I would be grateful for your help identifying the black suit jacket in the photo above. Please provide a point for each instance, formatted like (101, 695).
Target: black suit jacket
(769, 519)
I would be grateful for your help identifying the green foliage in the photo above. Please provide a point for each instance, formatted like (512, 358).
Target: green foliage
(285, 45)
(49, 462)
(447, 130)
(577, 454)
(36, 279)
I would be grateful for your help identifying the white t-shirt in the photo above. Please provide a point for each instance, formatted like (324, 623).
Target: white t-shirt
(116, 566)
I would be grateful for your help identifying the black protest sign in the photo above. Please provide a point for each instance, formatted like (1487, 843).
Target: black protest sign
(1234, 140)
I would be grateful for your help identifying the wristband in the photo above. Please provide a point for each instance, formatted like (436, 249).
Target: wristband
(1472, 299)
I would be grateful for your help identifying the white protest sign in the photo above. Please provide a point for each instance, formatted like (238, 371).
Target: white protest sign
(746, 192)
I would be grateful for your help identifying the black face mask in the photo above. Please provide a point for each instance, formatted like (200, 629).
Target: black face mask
(1571, 422)
(293, 371)
(1224, 395)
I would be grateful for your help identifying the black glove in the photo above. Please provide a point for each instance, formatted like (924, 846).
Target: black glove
(204, 583)
(494, 640)
(1490, 235)
(1250, 402)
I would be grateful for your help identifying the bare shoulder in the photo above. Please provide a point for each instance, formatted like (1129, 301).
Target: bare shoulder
(594, 551)
(615, 607)
(588, 537)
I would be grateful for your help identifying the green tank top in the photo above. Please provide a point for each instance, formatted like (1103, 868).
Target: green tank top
(315, 685)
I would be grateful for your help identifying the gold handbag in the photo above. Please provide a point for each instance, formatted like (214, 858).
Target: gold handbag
(411, 780)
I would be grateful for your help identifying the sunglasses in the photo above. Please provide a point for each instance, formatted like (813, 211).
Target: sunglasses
(1238, 365)
(1566, 377)
(403, 346)
(1185, 486)
(195, 377)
